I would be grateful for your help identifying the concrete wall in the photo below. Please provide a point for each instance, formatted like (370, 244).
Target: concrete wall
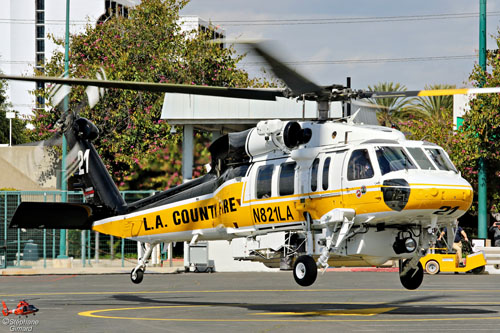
(24, 168)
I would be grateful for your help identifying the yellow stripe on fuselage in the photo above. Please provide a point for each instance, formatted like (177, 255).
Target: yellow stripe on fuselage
(225, 209)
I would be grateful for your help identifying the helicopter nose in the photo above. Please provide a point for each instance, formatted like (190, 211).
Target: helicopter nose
(446, 197)
(450, 197)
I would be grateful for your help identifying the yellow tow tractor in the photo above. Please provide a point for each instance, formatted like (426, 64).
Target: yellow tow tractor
(441, 261)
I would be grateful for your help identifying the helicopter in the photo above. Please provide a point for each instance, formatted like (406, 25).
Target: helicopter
(23, 309)
(306, 192)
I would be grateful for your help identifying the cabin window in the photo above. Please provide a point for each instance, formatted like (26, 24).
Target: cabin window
(359, 166)
(314, 175)
(287, 176)
(421, 159)
(264, 177)
(393, 159)
(441, 160)
(326, 170)
(238, 171)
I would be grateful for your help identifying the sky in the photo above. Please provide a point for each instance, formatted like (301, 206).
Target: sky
(427, 41)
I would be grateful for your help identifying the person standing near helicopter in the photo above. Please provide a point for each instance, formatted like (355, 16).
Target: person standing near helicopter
(457, 243)
(495, 228)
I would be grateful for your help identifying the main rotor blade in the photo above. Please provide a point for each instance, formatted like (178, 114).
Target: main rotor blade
(268, 94)
(366, 104)
(431, 92)
(297, 83)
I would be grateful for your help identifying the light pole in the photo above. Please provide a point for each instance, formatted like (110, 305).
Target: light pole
(482, 187)
(10, 115)
(64, 185)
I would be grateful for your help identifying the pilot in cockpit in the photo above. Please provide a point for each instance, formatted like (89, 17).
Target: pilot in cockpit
(360, 166)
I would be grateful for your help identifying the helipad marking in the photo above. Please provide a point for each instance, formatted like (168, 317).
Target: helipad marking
(349, 312)
(93, 313)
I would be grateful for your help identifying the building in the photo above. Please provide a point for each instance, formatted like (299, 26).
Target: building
(24, 42)
(194, 23)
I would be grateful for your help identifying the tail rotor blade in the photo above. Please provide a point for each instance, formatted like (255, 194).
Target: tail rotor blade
(95, 93)
(58, 92)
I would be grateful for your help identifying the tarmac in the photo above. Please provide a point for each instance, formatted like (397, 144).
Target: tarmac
(366, 301)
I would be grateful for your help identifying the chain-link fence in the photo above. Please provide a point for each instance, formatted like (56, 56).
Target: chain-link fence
(37, 247)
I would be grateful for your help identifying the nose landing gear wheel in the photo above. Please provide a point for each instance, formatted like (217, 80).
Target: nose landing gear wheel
(413, 278)
(432, 267)
(305, 271)
(137, 277)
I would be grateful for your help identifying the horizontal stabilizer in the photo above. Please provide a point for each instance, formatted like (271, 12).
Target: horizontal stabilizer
(52, 215)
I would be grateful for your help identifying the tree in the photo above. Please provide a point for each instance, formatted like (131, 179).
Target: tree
(147, 46)
(481, 128)
(391, 109)
(18, 124)
(434, 107)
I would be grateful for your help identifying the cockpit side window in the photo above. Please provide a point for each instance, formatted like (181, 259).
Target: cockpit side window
(326, 171)
(359, 166)
(393, 159)
(286, 178)
(441, 160)
(314, 175)
(264, 178)
(421, 159)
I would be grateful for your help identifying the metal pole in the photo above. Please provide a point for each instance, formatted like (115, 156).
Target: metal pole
(10, 132)
(123, 252)
(18, 236)
(170, 254)
(83, 248)
(44, 237)
(112, 247)
(348, 105)
(88, 246)
(44, 248)
(64, 185)
(5, 220)
(96, 247)
(53, 245)
(482, 187)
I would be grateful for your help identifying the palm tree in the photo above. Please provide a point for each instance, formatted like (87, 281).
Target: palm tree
(434, 107)
(389, 111)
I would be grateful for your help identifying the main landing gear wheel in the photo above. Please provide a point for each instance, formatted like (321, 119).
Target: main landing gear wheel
(413, 278)
(432, 267)
(305, 271)
(137, 277)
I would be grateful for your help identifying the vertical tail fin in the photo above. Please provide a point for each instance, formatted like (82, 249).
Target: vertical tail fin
(102, 197)
(5, 309)
(90, 174)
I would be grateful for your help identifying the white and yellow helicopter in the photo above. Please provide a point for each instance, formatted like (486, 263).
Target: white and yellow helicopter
(315, 188)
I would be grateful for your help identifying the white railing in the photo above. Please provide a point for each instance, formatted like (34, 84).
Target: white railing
(492, 256)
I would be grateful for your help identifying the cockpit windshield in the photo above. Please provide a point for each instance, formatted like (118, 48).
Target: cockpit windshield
(421, 158)
(393, 159)
(442, 161)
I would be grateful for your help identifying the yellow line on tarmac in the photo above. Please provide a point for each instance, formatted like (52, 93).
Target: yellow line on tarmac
(94, 314)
